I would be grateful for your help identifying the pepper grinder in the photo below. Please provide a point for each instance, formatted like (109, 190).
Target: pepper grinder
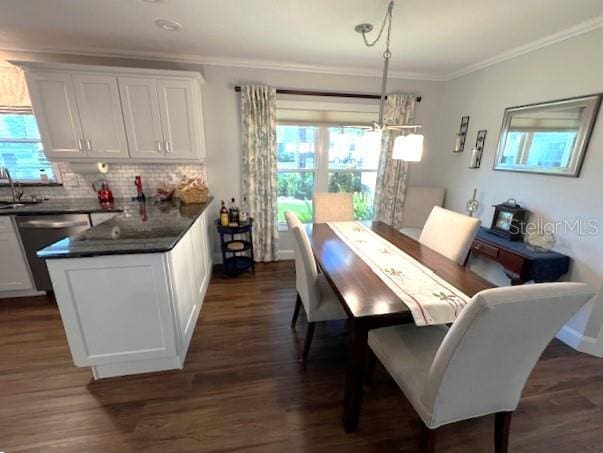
(139, 193)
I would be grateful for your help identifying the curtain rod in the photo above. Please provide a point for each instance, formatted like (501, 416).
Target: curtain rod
(326, 94)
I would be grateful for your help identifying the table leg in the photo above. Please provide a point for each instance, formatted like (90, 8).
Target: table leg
(354, 379)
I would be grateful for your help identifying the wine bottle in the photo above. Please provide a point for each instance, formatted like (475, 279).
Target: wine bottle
(223, 215)
(233, 212)
(243, 214)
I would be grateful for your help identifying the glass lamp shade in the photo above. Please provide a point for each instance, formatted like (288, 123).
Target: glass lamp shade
(408, 148)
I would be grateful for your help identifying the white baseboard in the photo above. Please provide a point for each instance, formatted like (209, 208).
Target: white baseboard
(579, 342)
(285, 255)
(21, 293)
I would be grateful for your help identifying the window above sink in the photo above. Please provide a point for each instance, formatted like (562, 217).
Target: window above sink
(21, 148)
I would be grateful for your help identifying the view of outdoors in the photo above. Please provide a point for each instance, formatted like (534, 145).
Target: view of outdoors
(333, 159)
(539, 148)
(296, 151)
(21, 149)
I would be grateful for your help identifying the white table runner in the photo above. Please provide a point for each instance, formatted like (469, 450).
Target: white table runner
(430, 298)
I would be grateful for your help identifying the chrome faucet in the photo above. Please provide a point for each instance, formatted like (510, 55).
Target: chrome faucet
(5, 174)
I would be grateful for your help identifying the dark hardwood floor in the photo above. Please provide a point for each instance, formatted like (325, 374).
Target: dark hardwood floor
(243, 388)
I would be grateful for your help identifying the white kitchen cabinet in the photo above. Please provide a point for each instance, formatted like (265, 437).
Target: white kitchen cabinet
(190, 266)
(178, 118)
(98, 103)
(14, 271)
(116, 114)
(55, 109)
(133, 313)
(140, 106)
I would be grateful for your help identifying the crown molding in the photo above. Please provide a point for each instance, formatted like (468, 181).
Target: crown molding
(183, 58)
(250, 63)
(576, 30)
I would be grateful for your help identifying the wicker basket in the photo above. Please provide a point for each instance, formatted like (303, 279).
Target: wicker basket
(193, 195)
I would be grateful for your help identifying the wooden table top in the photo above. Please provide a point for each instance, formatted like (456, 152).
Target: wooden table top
(361, 291)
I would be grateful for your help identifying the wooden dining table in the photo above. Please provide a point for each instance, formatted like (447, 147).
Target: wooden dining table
(368, 301)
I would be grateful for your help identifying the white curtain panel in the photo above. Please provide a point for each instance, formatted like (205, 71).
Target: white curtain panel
(260, 181)
(391, 175)
(13, 90)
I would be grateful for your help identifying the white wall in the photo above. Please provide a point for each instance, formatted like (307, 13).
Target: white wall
(569, 68)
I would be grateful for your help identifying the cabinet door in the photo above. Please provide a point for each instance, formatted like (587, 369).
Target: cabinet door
(14, 273)
(184, 280)
(140, 105)
(198, 257)
(100, 112)
(115, 308)
(53, 101)
(179, 119)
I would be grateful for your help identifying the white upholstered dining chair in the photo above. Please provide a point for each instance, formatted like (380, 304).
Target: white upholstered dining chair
(449, 233)
(480, 365)
(314, 292)
(333, 207)
(418, 203)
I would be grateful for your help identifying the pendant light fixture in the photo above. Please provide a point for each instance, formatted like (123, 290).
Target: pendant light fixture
(408, 147)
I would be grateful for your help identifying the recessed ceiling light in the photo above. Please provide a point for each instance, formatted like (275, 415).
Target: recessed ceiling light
(168, 25)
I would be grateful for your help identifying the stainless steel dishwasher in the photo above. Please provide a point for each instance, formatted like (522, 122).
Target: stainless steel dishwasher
(39, 231)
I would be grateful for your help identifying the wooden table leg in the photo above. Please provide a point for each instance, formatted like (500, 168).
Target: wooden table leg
(354, 379)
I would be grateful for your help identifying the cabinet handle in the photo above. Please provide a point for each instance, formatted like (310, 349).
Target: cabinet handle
(80, 144)
(159, 146)
(89, 144)
(168, 148)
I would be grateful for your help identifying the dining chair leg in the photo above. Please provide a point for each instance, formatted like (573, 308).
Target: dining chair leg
(428, 438)
(298, 304)
(308, 342)
(371, 362)
(502, 426)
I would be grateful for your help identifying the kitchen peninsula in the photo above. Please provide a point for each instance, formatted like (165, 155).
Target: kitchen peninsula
(130, 289)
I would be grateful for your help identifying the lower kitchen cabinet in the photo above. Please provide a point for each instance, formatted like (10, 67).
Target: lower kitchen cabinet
(14, 272)
(133, 313)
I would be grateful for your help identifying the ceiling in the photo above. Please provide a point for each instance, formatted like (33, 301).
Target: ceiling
(431, 39)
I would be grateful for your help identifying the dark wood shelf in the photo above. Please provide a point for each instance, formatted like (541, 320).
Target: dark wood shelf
(237, 260)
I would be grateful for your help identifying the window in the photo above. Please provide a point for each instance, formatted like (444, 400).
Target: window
(353, 162)
(325, 159)
(296, 151)
(21, 148)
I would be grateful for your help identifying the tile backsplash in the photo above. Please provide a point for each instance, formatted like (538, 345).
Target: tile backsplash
(120, 178)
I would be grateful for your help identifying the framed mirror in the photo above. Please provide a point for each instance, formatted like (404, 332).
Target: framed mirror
(548, 138)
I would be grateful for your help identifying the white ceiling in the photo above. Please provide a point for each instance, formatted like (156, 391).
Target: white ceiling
(430, 39)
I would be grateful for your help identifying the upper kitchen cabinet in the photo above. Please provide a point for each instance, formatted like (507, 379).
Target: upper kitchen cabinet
(177, 99)
(97, 98)
(54, 106)
(140, 105)
(116, 114)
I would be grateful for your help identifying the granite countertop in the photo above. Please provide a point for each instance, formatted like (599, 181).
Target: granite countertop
(141, 228)
(67, 206)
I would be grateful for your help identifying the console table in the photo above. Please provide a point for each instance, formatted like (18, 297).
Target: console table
(519, 262)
